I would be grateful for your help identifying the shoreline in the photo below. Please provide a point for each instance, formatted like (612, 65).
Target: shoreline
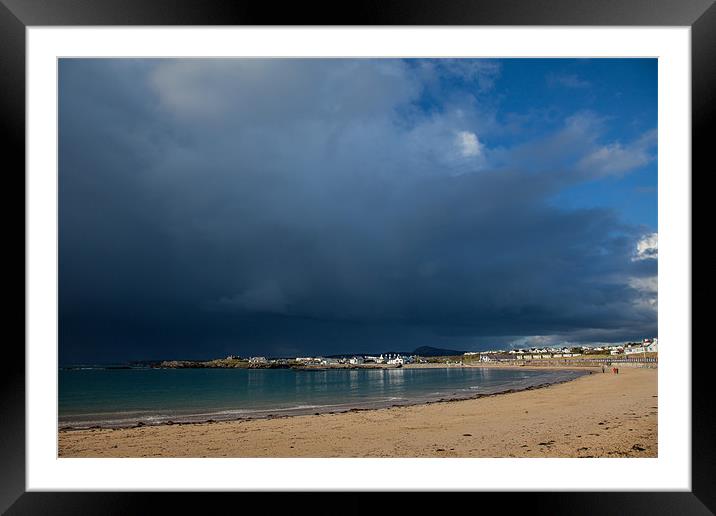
(223, 416)
(597, 415)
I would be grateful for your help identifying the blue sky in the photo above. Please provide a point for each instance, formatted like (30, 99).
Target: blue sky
(320, 206)
(533, 97)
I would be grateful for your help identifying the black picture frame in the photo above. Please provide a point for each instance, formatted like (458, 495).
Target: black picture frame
(17, 15)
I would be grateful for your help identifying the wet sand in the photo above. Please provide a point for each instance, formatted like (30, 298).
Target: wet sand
(597, 415)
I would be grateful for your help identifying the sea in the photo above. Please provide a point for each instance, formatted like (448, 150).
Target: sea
(98, 396)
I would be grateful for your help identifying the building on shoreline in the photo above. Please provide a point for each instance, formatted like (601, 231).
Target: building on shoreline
(396, 360)
(646, 346)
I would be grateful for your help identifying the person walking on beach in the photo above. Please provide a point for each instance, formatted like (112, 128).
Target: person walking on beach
(602, 368)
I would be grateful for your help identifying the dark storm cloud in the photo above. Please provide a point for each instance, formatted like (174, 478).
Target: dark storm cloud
(291, 207)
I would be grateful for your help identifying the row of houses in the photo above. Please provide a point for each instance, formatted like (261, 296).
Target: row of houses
(646, 346)
(389, 358)
(505, 357)
(525, 356)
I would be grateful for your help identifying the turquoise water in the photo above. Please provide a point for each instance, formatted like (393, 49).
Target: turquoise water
(124, 397)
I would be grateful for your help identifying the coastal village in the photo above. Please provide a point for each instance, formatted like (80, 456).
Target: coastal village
(645, 351)
(647, 348)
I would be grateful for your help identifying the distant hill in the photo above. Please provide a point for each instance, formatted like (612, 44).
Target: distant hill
(429, 351)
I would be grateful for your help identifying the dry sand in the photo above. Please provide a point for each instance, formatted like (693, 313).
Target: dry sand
(598, 415)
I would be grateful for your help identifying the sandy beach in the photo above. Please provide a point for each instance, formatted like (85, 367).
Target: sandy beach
(597, 415)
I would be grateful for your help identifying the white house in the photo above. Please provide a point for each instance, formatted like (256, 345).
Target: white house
(257, 360)
(396, 360)
(632, 350)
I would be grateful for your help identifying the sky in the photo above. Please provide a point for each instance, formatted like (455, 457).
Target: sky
(284, 207)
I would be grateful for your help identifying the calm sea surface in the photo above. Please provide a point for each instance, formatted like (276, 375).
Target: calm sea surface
(124, 397)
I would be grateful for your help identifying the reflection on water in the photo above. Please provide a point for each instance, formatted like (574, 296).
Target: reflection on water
(396, 377)
(255, 379)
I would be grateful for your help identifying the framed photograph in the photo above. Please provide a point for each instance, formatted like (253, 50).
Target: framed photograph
(419, 249)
